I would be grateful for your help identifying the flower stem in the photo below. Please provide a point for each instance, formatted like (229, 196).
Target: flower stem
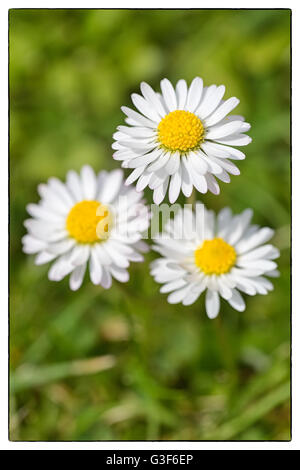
(226, 350)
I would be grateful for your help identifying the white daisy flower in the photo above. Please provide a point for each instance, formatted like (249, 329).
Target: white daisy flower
(182, 137)
(90, 220)
(225, 256)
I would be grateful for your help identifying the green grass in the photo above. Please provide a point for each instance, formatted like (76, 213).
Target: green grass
(124, 364)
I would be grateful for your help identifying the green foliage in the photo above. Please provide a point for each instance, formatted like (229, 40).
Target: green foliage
(124, 364)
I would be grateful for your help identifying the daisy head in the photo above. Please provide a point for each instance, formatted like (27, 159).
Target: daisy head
(89, 220)
(222, 255)
(180, 138)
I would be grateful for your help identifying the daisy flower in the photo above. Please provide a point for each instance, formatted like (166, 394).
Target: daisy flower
(180, 138)
(90, 220)
(223, 256)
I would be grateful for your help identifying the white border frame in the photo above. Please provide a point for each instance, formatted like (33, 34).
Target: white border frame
(162, 445)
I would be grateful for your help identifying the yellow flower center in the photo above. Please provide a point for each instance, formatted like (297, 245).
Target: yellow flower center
(180, 130)
(89, 222)
(215, 256)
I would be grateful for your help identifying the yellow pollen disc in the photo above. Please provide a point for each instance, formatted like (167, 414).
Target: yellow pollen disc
(215, 256)
(180, 130)
(88, 222)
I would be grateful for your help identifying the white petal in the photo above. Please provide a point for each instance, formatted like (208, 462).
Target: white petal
(208, 92)
(160, 162)
(33, 245)
(61, 247)
(212, 303)
(213, 165)
(173, 285)
(168, 94)
(160, 192)
(121, 247)
(224, 290)
(245, 127)
(274, 273)
(136, 257)
(119, 135)
(212, 184)
(211, 103)
(258, 238)
(89, 182)
(178, 295)
(50, 232)
(77, 276)
(198, 162)
(262, 264)
(111, 187)
(240, 224)
(265, 251)
(118, 259)
(224, 221)
(158, 178)
(262, 287)
(120, 149)
(186, 185)
(265, 283)
(222, 111)
(145, 159)
(145, 108)
(103, 256)
(137, 146)
(258, 286)
(151, 96)
(39, 212)
(137, 132)
(222, 151)
(194, 94)
(236, 139)
(62, 190)
(80, 254)
(101, 178)
(134, 175)
(143, 181)
(199, 181)
(190, 298)
(74, 184)
(218, 132)
(52, 201)
(138, 118)
(173, 163)
(209, 225)
(244, 286)
(106, 278)
(237, 301)
(142, 246)
(175, 185)
(224, 176)
(59, 269)
(181, 93)
(118, 273)
(233, 117)
(95, 268)
(243, 272)
(227, 165)
(44, 257)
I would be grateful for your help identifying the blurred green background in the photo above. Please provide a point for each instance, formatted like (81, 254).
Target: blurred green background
(124, 364)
